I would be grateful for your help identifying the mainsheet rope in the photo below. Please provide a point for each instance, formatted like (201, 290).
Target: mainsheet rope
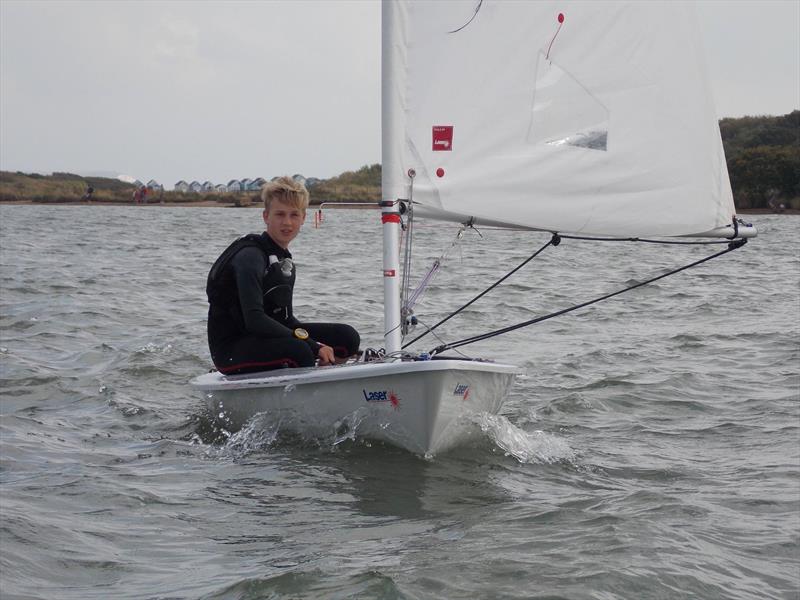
(477, 338)
(554, 241)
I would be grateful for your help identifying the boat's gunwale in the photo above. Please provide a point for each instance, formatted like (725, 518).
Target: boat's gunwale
(313, 375)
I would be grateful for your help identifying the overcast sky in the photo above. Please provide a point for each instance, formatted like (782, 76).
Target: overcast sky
(223, 90)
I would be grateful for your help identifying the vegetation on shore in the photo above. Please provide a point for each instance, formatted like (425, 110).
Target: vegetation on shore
(363, 185)
(60, 187)
(763, 155)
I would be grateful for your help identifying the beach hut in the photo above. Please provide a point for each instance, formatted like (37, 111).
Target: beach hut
(254, 185)
(234, 185)
(181, 186)
(196, 187)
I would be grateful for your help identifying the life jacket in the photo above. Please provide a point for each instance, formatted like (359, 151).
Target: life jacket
(277, 284)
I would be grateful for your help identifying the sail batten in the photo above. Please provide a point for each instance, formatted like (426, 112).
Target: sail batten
(606, 128)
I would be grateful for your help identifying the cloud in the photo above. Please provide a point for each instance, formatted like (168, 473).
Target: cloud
(175, 40)
(217, 90)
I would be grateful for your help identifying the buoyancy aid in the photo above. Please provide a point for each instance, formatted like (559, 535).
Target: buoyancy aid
(277, 282)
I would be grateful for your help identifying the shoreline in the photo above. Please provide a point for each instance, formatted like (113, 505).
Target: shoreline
(198, 203)
(213, 204)
(191, 204)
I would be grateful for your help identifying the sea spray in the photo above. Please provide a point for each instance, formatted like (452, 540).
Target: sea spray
(526, 447)
(347, 427)
(258, 435)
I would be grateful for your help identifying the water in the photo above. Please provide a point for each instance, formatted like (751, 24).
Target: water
(651, 450)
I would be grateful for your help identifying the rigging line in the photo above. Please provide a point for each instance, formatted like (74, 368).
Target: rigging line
(426, 280)
(411, 302)
(731, 246)
(475, 14)
(644, 240)
(395, 328)
(554, 241)
(735, 224)
(555, 35)
(406, 282)
(438, 338)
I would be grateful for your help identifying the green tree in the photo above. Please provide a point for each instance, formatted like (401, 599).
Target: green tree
(765, 173)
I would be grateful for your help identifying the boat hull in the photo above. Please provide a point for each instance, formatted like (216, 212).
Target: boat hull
(423, 406)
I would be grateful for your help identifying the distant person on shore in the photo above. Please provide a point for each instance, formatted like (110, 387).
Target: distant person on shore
(89, 193)
(251, 324)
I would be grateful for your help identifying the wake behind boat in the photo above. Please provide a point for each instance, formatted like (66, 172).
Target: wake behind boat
(584, 120)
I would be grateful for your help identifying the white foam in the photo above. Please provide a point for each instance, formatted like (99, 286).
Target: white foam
(526, 447)
(258, 434)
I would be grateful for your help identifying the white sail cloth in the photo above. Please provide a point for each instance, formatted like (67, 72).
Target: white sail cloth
(598, 122)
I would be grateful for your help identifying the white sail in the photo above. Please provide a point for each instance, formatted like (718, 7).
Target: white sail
(576, 117)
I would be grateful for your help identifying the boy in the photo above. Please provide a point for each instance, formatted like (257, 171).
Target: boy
(251, 326)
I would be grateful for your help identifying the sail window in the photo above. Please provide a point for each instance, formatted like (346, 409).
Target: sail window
(564, 112)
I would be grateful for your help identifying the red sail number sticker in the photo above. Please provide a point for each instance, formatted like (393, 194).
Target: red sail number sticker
(442, 138)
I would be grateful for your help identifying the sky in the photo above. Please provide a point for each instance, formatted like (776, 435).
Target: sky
(216, 91)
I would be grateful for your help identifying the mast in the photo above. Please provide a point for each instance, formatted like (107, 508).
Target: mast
(392, 183)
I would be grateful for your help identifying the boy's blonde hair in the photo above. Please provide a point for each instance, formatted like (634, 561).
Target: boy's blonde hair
(287, 190)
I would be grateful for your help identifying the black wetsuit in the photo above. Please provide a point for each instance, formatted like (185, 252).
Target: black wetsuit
(250, 320)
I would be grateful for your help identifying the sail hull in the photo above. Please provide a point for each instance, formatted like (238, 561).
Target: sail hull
(424, 407)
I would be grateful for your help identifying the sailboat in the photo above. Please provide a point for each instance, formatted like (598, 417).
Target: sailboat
(583, 119)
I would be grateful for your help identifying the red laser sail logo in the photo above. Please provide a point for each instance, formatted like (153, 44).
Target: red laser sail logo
(382, 396)
(442, 138)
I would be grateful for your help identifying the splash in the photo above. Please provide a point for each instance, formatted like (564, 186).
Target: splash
(275, 429)
(152, 348)
(345, 429)
(526, 447)
(258, 435)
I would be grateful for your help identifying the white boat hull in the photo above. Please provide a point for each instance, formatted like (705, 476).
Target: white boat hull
(422, 406)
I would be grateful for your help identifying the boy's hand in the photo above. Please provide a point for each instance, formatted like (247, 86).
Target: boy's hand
(325, 355)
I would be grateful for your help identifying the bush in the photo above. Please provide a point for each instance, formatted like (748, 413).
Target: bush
(762, 175)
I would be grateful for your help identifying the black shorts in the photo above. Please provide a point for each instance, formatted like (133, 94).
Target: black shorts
(251, 353)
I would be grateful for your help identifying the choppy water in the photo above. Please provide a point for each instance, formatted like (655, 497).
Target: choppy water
(651, 450)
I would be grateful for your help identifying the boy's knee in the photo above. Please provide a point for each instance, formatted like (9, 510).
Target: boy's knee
(349, 338)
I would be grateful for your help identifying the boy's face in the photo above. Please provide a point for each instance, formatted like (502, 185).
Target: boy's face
(283, 222)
